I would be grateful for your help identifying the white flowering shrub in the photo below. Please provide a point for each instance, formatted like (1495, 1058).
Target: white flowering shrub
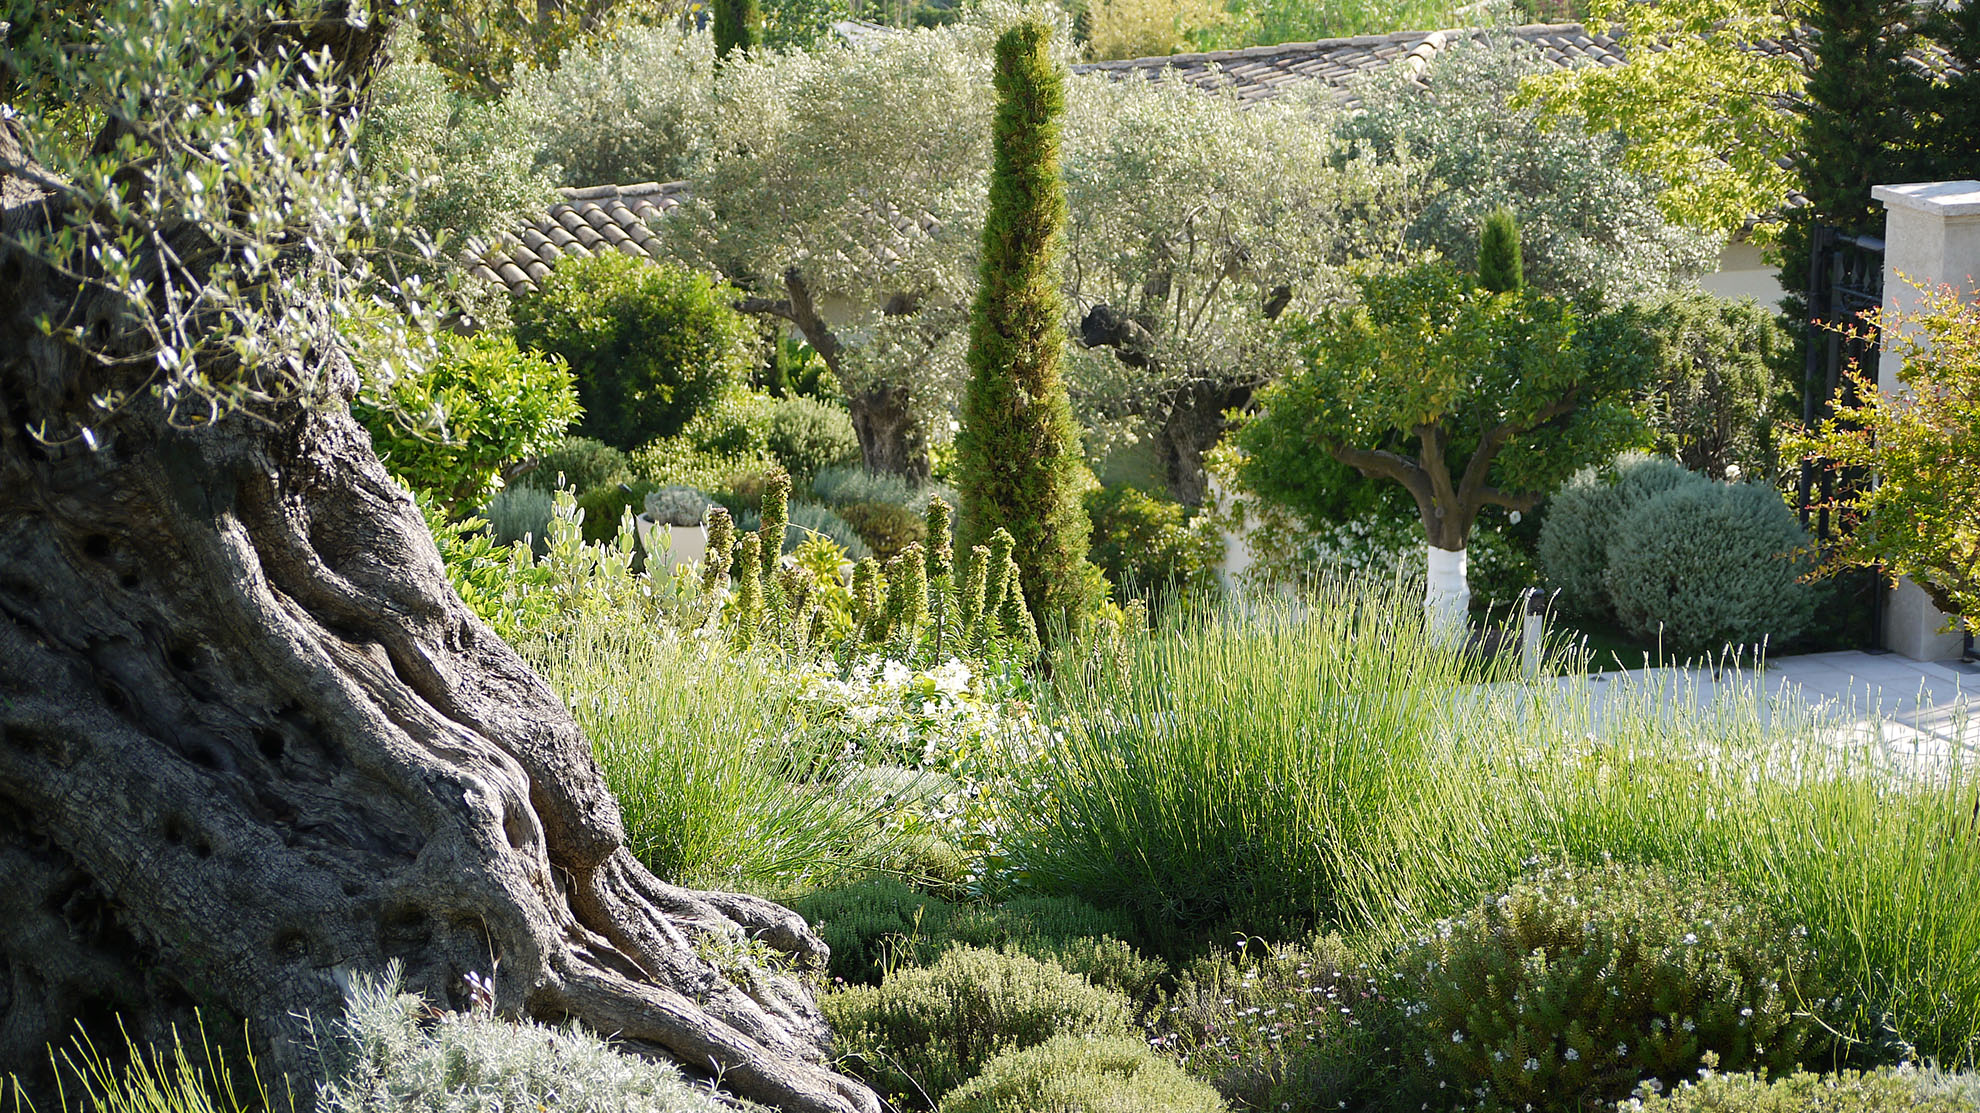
(1884, 1091)
(1577, 985)
(967, 732)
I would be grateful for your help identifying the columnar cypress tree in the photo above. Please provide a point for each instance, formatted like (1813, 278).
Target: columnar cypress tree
(738, 25)
(1500, 269)
(1019, 449)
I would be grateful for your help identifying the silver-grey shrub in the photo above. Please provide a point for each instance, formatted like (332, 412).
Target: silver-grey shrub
(1580, 522)
(1588, 225)
(386, 1057)
(517, 511)
(635, 107)
(1707, 564)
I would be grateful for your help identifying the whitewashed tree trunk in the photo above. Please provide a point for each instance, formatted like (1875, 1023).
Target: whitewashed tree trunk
(1446, 594)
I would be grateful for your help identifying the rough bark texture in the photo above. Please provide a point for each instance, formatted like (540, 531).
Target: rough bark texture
(251, 740)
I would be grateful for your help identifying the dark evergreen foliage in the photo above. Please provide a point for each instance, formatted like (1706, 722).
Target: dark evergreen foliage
(1500, 268)
(738, 26)
(1019, 448)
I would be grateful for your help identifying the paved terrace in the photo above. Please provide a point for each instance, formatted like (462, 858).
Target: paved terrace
(1917, 712)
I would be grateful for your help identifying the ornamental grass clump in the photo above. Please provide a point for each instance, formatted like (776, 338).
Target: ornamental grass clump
(925, 1031)
(1575, 985)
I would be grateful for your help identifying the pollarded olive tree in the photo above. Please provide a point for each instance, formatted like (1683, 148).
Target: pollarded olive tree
(250, 739)
(1194, 222)
(1465, 397)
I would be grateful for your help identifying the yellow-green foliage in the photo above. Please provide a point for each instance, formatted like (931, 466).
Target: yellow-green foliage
(1081, 1074)
(1144, 28)
(926, 1030)
(1802, 1092)
(1573, 986)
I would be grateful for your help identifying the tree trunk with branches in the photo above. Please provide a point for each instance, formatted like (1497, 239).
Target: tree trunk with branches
(252, 743)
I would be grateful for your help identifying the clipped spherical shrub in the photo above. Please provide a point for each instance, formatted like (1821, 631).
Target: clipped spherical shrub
(1707, 564)
(863, 922)
(734, 423)
(1884, 1091)
(807, 436)
(583, 462)
(926, 1030)
(1580, 520)
(1148, 546)
(1083, 1074)
(650, 344)
(885, 527)
(1566, 991)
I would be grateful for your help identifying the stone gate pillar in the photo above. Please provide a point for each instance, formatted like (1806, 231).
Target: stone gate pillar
(1931, 236)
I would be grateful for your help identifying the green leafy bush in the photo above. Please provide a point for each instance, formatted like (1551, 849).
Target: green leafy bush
(1277, 1027)
(1719, 392)
(1081, 1074)
(1706, 564)
(735, 423)
(1574, 985)
(650, 344)
(482, 406)
(584, 462)
(1148, 545)
(888, 529)
(807, 436)
(1581, 519)
(605, 506)
(1801, 1092)
(926, 1030)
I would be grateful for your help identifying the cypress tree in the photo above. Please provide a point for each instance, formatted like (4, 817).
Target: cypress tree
(1019, 448)
(1500, 269)
(738, 25)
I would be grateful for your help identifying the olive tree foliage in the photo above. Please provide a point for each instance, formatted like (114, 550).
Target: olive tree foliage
(1194, 224)
(637, 105)
(220, 207)
(470, 169)
(1589, 216)
(847, 195)
(482, 44)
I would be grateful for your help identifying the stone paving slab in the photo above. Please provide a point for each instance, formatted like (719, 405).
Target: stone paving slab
(1917, 712)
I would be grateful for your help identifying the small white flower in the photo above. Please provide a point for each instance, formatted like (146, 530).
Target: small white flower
(1688, 1025)
(1622, 1049)
(1457, 1037)
(1513, 517)
(1572, 1055)
(1531, 1065)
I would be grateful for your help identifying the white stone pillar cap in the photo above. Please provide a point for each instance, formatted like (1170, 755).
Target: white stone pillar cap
(1940, 199)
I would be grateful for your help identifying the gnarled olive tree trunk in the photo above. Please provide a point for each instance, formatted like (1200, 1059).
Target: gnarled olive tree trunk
(251, 741)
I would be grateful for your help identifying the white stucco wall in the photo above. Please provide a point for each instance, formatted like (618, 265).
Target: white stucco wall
(1743, 274)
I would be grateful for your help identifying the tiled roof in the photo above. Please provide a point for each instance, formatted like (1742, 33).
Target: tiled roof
(587, 222)
(1261, 72)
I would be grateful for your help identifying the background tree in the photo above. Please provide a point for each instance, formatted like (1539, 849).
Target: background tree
(1466, 398)
(1589, 216)
(639, 108)
(738, 26)
(1194, 222)
(1718, 391)
(1018, 454)
(1500, 270)
(861, 236)
(1921, 518)
(249, 736)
